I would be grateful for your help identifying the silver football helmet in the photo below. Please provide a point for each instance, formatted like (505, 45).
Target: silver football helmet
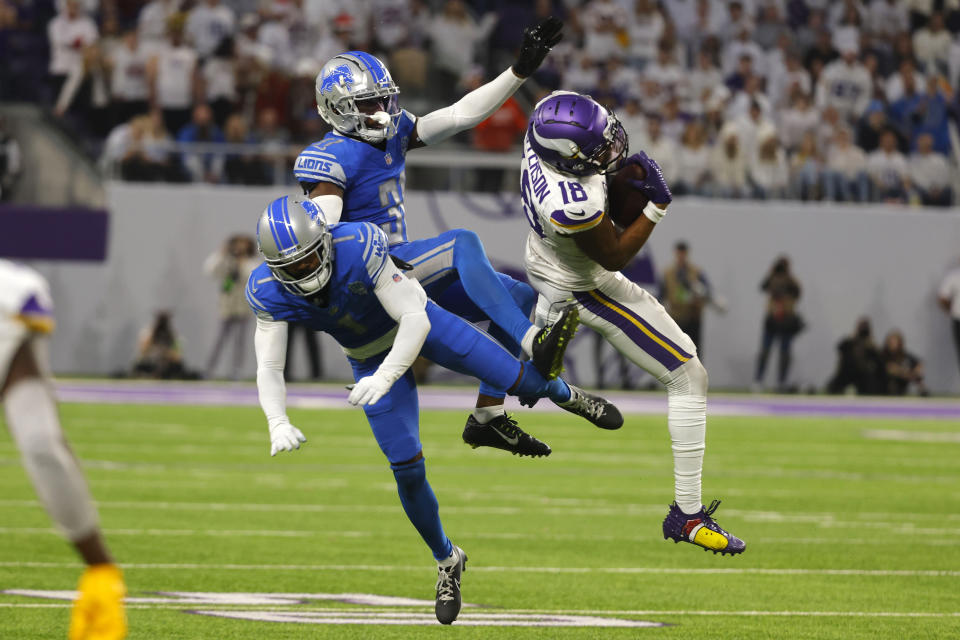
(357, 96)
(293, 236)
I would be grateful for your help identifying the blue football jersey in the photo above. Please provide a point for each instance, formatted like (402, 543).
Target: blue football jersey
(371, 177)
(353, 314)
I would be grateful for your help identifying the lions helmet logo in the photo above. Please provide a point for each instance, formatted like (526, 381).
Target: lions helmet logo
(339, 76)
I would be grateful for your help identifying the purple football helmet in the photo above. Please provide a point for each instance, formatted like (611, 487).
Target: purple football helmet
(575, 134)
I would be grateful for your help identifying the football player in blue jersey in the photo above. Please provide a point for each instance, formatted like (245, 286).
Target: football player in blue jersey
(356, 173)
(340, 279)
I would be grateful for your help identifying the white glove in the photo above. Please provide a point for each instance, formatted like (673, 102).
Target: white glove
(285, 437)
(369, 389)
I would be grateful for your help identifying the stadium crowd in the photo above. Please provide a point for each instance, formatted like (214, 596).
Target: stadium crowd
(809, 99)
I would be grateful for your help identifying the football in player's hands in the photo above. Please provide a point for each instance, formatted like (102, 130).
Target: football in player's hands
(624, 202)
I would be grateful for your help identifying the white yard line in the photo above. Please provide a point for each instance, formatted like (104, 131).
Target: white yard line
(909, 573)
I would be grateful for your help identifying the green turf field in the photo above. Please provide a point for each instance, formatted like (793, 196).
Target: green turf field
(849, 535)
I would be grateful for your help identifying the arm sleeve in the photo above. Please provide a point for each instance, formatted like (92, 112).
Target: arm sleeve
(331, 206)
(469, 111)
(405, 301)
(270, 344)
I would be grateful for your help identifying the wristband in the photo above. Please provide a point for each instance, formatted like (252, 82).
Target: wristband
(654, 213)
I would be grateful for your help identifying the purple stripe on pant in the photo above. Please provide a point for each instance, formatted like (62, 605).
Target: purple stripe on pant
(640, 338)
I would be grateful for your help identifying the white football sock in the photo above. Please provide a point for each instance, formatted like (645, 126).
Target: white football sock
(527, 343)
(31, 413)
(483, 415)
(687, 421)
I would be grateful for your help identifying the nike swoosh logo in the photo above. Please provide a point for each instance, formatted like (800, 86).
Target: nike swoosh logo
(511, 441)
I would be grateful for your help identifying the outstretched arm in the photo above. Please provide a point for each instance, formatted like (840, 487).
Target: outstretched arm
(270, 344)
(405, 301)
(481, 103)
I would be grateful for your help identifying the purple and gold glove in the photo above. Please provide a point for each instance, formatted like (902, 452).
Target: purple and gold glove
(654, 187)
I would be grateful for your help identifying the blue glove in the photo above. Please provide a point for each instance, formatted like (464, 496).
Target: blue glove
(654, 187)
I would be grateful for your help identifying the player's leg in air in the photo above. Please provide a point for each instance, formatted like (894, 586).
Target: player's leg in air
(31, 416)
(455, 271)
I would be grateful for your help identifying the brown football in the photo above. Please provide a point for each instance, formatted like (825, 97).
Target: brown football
(624, 203)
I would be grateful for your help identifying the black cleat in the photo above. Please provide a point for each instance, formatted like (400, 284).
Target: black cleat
(551, 343)
(503, 433)
(448, 588)
(600, 412)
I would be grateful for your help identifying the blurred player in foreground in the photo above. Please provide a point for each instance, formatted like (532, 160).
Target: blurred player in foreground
(341, 280)
(356, 174)
(575, 252)
(26, 319)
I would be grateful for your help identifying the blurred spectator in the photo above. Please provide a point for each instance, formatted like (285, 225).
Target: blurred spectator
(905, 81)
(174, 76)
(501, 132)
(948, 297)
(455, 35)
(930, 174)
(208, 23)
(583, 76)
(153, 20)
(788, 80)
(202, 166)
(634, 123)
(158, 353)
(230, 267)
(888, 170)
(887, 18)
(685, 290)
(693, 162)
(272, 139)
(767, 171)
(703, 79)
(770, 27)
(393, 25)
(71, 33)
(666, 73)
(645, 31)
(845, 84)
(728, 164)
(781, 323)
(219, 81)
(797, 120)
(737, 21)
(242, 168)
(139, 149)
(672, 122)
(604, 26)
(129, 90)
(932, 45)
(859, 364)
(872, 126)
(901, 368)
(10, 161)
(845, 177)
(806, 165)
(930, 115)
(662, 148)
(742, 47)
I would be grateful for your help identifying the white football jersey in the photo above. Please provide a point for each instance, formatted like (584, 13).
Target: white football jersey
(558, 206)
(24, 298)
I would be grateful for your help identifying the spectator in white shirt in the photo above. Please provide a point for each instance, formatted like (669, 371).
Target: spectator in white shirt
(455, 36)
(806, 165)
(887, 18)
(661, 147)
(219, 73)
(634, 124)
(906, 80)
(71, 33)
(666, 73)
(728, 165)
(207, 24)
(767, 171)
(738, 20)
(888, 170)
(152, 22)
(604, 21)
(845, 84)
(931, 174)
(798, 120)
(582, 76)
(693, 161)
(704, 78)
(129, 90)
(845, 177)
(174, 76)
(786, 77)
(646, 29)
(932, 45)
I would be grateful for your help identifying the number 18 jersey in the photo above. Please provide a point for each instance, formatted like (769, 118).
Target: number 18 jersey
(558, 206)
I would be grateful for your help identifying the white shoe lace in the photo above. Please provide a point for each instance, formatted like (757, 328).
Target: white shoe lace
(589, 405)
(445, 584)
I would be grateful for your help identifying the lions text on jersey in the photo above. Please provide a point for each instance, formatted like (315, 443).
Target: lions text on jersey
(371, 176)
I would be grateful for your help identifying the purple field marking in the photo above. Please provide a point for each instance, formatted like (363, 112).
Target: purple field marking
(334, 396)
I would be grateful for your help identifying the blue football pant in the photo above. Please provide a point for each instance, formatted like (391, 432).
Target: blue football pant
(455, 344)
(455, 272)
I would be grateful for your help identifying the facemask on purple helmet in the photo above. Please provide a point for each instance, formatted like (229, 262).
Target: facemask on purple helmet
(575, 134)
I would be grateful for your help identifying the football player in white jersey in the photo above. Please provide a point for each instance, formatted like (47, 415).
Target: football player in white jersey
(574, 254)
(26, 319)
